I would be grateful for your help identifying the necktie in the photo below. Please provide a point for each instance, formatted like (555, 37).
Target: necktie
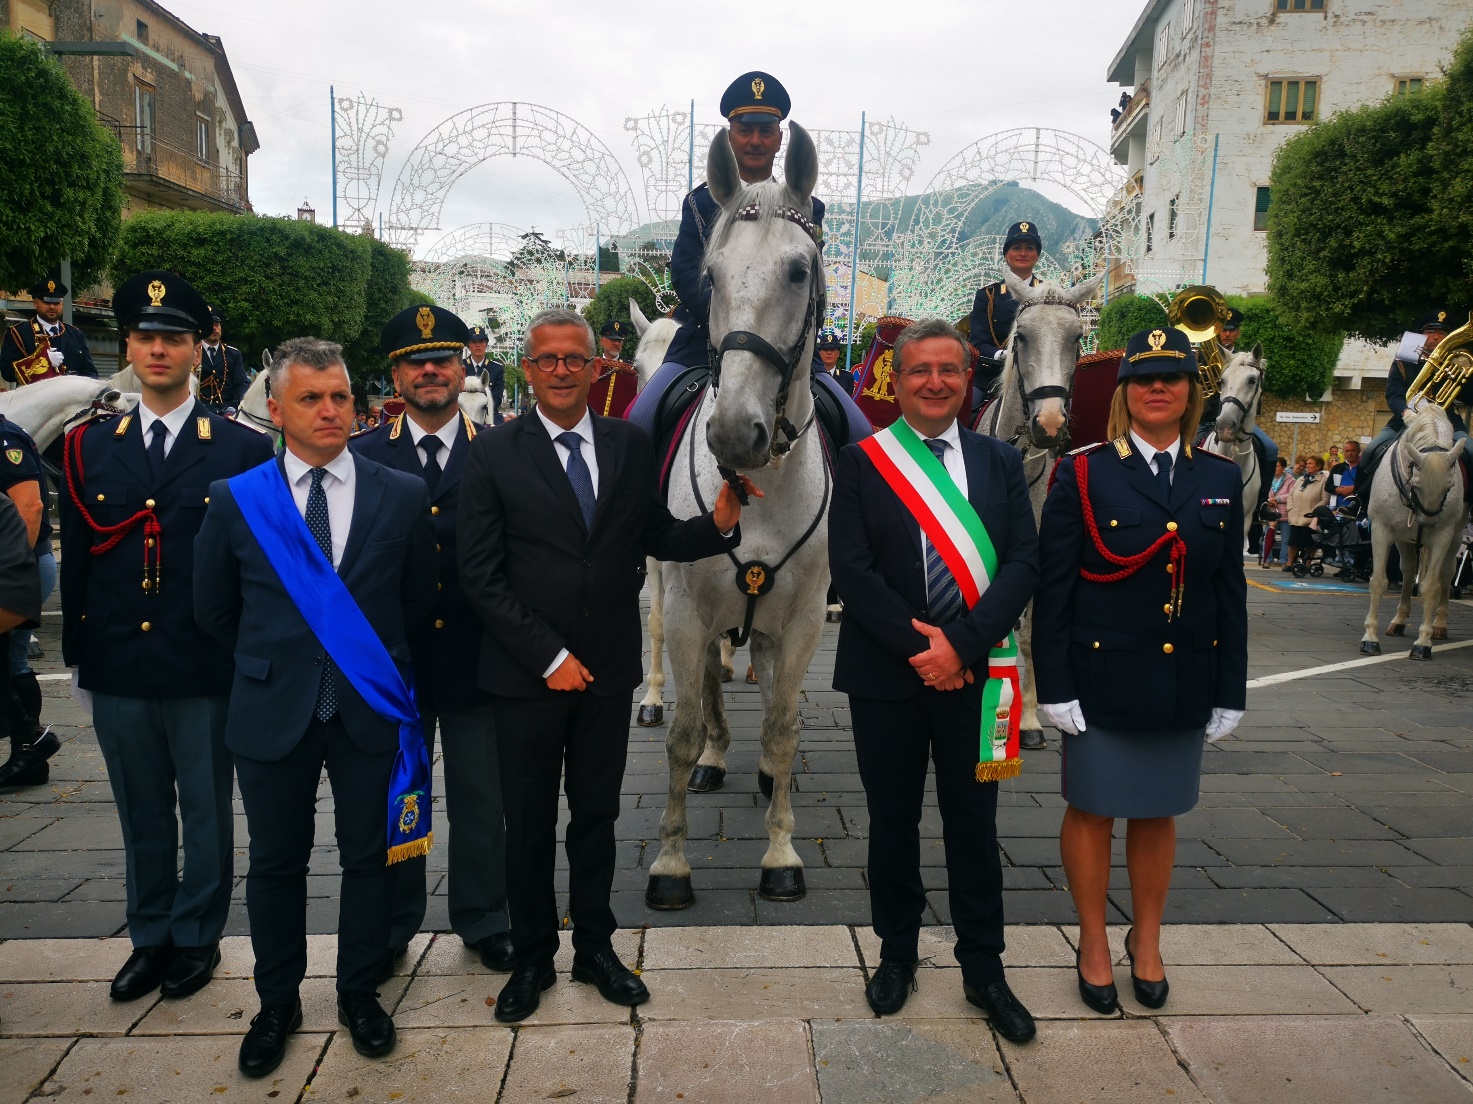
(321, 529)
(156, 435)
(579, 476)
(1163, 473)
(431, 444)
(943, 596)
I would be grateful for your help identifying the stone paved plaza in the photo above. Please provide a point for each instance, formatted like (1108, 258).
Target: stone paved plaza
(1322, 947)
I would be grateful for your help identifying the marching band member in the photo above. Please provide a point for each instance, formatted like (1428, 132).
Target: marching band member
(66, 346)
(1141, 641)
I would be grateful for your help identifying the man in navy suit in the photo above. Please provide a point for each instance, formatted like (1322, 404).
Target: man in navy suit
(133, 498)
(292, 710)
(914, 660)
(430, 441)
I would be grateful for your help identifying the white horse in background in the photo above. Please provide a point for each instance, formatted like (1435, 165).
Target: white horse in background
(1232, 435)
(1031, 411)
(126, 381)
(1416, 503)
(757, 417)
(48, 408)
(475, 397)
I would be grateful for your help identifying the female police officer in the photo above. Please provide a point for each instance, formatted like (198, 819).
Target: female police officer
(1140, 633)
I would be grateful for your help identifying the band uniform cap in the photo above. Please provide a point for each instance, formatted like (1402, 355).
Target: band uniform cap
(1234, 319)
(1023, 233)
(1435, 320)
(215, 314)
(49, 290)
(477, 333)
(424, 333)
(615, 327)
(1160, 351)
(163, 302)
(829, 339)
(755, 97)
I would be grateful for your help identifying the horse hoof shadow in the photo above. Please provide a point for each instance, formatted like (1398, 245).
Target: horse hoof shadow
(650, 716)
(783, 883)
(705, 779)
(1439, 634)
(1370, 647)
(668, 893)
(764, 783)
(1396, 630)
(1420, 651)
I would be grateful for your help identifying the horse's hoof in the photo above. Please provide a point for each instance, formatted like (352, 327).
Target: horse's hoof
(727, 673)
(1370, 647)
(1032, 739)
(751, 674)
(785, 883)
(1439, 634)
(669, 893)
(705, 779)
(651, 715)
(1396, 630)
(764, 783)
(1421, 651)
(833, 617)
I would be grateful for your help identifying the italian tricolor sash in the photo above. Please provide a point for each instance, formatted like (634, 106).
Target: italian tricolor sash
(951, 524)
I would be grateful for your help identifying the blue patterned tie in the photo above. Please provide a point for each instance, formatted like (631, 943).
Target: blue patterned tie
(943, 596)
(579, 476)
(1163, 473)
(321, 529)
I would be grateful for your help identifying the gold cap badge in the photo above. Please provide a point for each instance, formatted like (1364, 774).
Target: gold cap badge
(1023, 226)
(759, 86)
(425, 320)
(1157, 339)
(156, 292)
(50, 285)
(1442, 316)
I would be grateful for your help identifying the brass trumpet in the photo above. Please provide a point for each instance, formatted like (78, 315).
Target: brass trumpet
(1197, 311)
(1448, 368)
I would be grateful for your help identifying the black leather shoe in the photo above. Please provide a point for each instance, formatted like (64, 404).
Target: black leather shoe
(1152, 994)
(616, 982)
(522, 992)
(496, 952)
(191, 970)
(264, 1046)
(369, 1025)
(27, 764)
(1103, 999)
(892, 984)
(1012, 1021)
(142, 973)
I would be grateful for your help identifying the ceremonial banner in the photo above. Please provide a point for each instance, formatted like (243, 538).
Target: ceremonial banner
(874, 387)
(615, 385)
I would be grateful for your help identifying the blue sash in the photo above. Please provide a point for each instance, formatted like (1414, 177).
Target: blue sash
(334, 617)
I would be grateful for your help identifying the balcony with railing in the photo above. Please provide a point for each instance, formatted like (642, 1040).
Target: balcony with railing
(162, 173)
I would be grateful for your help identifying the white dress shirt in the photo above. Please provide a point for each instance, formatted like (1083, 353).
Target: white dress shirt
(583, 429)
(173, 422)
(338, 485)
(446, 433)
(1149, 451)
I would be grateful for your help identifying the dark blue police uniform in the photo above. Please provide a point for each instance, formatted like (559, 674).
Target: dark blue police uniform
(994, 309)
(222, 377)
(20, 342)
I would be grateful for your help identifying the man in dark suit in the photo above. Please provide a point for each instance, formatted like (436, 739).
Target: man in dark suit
(915, 661)
(294, 709)
(558, 511)
(222, 374)
(993, 310)
(430, 441)
(132, 501)
(66, 353)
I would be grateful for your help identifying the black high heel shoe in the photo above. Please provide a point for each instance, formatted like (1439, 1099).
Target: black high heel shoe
(1152, 994)
(1100, 998)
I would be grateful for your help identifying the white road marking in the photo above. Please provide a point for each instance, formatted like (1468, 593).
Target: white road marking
(1309, 672)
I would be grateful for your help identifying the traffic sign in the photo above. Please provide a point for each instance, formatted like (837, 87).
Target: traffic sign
(1304, 418)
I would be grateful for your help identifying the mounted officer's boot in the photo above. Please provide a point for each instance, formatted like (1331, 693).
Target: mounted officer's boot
(29, 746)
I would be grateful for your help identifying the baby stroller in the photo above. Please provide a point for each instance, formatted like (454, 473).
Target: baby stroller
(1334, 532)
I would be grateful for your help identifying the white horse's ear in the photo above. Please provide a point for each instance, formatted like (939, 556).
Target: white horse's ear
(641, 323)
(722, 176)
(1257, 353)
(800, 167)
(485, 374)
(1082, 293)
(1018, 289)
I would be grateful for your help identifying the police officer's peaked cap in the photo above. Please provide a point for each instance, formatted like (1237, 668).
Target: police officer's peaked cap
(1435, 320)
(49, 290)
(161, 301)
(1234, 319)
(424, 333)
(215, 314)
(829, 339)
(1023, 233)
(477, 333)
(754, 98)
(615, 327)
(1162, 351)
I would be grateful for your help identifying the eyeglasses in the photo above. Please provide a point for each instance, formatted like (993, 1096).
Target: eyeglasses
(949, 374)
(548, 363)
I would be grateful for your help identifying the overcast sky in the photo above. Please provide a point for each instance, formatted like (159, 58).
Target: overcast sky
(958, 69)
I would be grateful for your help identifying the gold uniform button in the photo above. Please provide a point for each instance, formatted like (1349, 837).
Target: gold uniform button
(149, 504)
(102, 498)
(147, 585)
(1214, 643)
(439, 586)
(1171, 569)
(146, 626)
(437, 548)
(1167, 648)
(439, 624)
(435, 510)
(207, 500)
(1097, 645)
(1222, 525)
(1171, 527)
(1166, 608)
(149, 542)
(1113, 523)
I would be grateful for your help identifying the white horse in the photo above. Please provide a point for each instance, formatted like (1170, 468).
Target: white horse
(47, 408)
(252, 410)
(475, 397)
(1416, 503)
(1232, 434)
(126, 381)
(1032, 412)
(767, 277)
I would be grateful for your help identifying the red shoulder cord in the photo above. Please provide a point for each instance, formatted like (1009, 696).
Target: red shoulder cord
(153, 533)
(1129, 565)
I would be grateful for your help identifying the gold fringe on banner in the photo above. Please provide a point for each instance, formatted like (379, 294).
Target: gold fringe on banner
(997, 772)
(415, 849)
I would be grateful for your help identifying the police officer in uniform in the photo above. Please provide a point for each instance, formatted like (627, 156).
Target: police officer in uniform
(494, 373)
(611, 338)
(1140, 636)
(430, 440)
(993, 310)
(135, 492)
(67, 352)
(222, 374)
(1227, 334)
(829, 347)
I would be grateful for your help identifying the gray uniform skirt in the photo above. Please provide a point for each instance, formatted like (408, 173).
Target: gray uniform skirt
(1133, 775)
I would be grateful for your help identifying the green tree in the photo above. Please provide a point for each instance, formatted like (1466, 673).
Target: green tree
(61, 173)
(1453, 195)
(386, 293)
(1125, 315)
(612, 301)
(1300, 361)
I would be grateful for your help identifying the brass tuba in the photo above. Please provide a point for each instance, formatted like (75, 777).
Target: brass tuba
(1197, 311)
(1447, 369)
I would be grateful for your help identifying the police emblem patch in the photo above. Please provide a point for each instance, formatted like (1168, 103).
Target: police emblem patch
(759, 86)
(15, 456)
(1157, 339)
(156, 292)
(425, 320)
(1023, 226)
(50, 285)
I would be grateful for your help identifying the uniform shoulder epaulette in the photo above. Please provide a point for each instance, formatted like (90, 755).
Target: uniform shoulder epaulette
(366, 430)
(1216, 455)
(1082, 449)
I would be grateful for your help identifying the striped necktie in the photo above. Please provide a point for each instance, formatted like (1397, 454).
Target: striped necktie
(319, 526)
(943, 596)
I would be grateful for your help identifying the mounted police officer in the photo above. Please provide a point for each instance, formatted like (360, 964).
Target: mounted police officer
(991, 322)
(611, 338)
(135, 492)
(222, 373)
(66, 351)
(429, 440)
(491, 371)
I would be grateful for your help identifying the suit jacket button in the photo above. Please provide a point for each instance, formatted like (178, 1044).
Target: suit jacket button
(437, 548)
(1167, 648)
(439, 586)
(918, 565)
(1113, 523)
(1171, 527)
(587, 563)
(149, 504)
(146, 626)
(102, 498)
(439, 624)
(435, 510)
(584, 611)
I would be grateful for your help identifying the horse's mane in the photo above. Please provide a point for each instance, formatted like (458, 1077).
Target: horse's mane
(1427, 431)
(768, 197)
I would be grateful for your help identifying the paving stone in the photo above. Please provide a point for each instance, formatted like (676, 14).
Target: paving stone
(71, 833)
(754, 948)
(1229, 824)
(768, 1061)
(172, 1071)
(62, 959)
(1449, 877)
(1234, 906)
(439, 1002)
(1396, 904)
(585, 1062)
(712, 907)
(1445, 852)
(1027, 945)
(1320, 852)
(818, 907)
(237, 960)
(447, 956)
(1238, 990)
(1330, 824)
(1451, 1037)
(1375, 944)
(32, 890)
(25, 1064)
(1314, 1060)
(66, 1008)
(753, 994)
(1426, 822)
(1303, 877)
(425, 1067)
(226, 1006)
(812, 823)
(1406, 990)
(894, 1062)
(1103, 1062)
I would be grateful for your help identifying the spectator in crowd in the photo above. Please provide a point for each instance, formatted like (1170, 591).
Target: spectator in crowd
(1342, 475)
(1310, 491)
(1332, 457)
(1276, 505)
(1299, 466)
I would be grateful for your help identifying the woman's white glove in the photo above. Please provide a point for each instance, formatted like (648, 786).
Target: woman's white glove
(1066, 717)
(82, 697)
(1222, 722)
(1415, 405)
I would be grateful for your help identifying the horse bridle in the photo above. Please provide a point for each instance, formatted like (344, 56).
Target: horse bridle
(1408, 493)
(1233, 400)
(1046, 391)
